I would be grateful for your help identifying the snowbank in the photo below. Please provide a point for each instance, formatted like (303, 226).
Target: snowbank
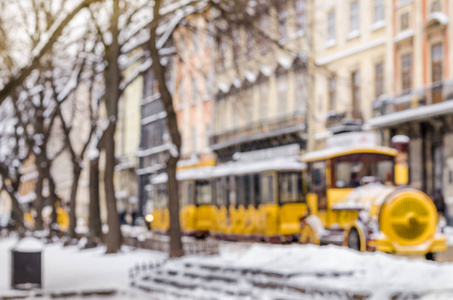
(69, 269)
(342, 269)
(29, 244)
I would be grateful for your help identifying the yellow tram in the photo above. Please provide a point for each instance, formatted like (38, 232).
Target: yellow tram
(261, 200)
(353, 201)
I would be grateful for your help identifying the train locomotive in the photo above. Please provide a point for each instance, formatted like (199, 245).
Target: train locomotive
(353, 201)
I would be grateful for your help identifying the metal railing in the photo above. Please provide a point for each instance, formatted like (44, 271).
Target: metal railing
(435, 93)
(334, 119)
(258, 127)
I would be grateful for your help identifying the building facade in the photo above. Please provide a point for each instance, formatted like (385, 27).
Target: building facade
(418, 104)
(193, 96)
(262, 82)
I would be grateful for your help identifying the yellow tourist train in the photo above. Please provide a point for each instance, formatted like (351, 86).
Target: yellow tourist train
(345, 196)
(353, 201)
(261, 201)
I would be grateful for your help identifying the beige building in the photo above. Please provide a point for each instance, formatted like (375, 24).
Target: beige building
(353, 59)
(127, 140)
(262, 83)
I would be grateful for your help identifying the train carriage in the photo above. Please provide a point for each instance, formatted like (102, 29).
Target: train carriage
(261, 200)
(353, 201)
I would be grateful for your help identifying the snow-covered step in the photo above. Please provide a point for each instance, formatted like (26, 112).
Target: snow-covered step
(190, 280)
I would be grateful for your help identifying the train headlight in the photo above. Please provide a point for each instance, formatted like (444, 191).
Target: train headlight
(149, 218)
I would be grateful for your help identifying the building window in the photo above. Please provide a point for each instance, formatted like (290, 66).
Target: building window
(436, 6)
(331, 26)
(222, 54)
(194, 91)
(282, 20)
(332, 92)
(246, 109)
(379, 80)
(181, 92)
(437, 58)
(264, 26)
(379, 10)
(194, 140)
(354, 16)
(282, 93)
(301, 91)
(301, 7)
(404, 21)
(195, 40)
(151, 86)
(406, 72)
(182, 45)
(355, 80)
(264, 99)
(250, 43)
(220, 113)
(236, 46)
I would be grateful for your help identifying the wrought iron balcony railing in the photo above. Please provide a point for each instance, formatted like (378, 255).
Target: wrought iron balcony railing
(253, 130)
(435, 93)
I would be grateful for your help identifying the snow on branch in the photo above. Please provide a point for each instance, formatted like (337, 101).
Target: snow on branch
(139, 71)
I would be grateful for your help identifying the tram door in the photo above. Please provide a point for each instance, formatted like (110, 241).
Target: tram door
(317, 198)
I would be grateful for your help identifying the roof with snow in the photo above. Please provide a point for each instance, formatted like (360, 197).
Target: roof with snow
(415, 114)
(292, 163)
(341, 151)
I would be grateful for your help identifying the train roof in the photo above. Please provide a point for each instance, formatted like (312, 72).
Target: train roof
(341, 151)
(236, 168)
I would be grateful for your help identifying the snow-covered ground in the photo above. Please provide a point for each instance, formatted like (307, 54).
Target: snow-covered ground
(311, 268)
(68, 269)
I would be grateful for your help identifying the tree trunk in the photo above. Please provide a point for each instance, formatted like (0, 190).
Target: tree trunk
(53, 200)
(72, 200)
(114, 239)
(17, 213)
(39, 203)
(112, 75)
(176, 247)
(94, 222)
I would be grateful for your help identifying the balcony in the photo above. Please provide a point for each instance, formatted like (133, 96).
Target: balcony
(293, 123)
(414, 104)
(344, 122)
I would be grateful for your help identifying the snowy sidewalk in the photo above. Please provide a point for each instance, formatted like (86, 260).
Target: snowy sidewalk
(68, 269)
(300, 272)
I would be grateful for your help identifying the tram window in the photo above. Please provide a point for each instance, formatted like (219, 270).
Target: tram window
(247, 190)
(203, 193)
(257, 189)
(161, 197)
(267, 191)
(220, 189)
(240, 189)
(190, 193)
(290, 187)
(181, 194)
(317, 178)
(231, 188)
(354, 170)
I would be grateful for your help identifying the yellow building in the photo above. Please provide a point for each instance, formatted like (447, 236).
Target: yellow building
(127, 143)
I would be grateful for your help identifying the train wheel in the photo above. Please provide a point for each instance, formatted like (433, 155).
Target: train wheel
(308, 235)
(354, 239)
(430, 256)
